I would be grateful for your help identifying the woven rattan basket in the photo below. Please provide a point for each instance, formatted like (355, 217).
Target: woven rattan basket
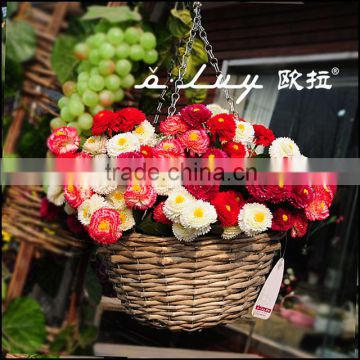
(189, 286)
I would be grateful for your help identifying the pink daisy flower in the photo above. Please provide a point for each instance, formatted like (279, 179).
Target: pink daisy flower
(75, 195)
(173, 125)
(196, 141)
(140, 197)
(169, 149)
(63, 140)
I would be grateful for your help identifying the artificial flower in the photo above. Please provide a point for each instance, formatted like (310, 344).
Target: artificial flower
(89, 206)
(165, 182)
(186, 234)
(171, 148)
(122, 143)
(116, 198)
(231, 232)
(299, 224)
(159, 215)
(63, 140)
(196, 141)
(235, 149)
(263, 136)
(173, 125)
(103, 122)
(126, 119)
(282, 220)
(273, 193)
(244, 132)
(284, 147)
(203, 192)
(104, 226)
(55, 194)
(148, 151)
(95, 145)
(127, 219)
(222, 126)
(198, 215)
(195, 115)
(178, 200)
(145, 132)
(75, 195)
(254, 218)
(140, 197)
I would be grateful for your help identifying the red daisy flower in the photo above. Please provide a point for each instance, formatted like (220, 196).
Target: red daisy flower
(147, 151)
(272, 193)
(48, 211)
(222, 125)
(214, 153)
(103, 122)
(318, 208)
(235, 149)
(282, 220)
(75, 225)
(159, 215)
(173, 125)
(195, 115)
(126, 119)
(203, 192)
(299, 224)
(301, 195)
(263, 136)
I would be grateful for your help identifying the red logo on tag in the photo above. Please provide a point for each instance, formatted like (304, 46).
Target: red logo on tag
(263, 308)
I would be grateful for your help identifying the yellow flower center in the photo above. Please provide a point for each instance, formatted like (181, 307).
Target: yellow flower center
(71, 188)
(291, 146)
(122, 141)
(198, 212)
(241, 127)
(221, 120)
(237, 198)
(122, 217)
(305, 191)
(91, 140)
(193, 136)
(103, 225)
(136, 188)
(144, 152)
(60, 132)
(322, 204)
(236, 147)
(259, 217)
(118, 196)
(326, 188)
(168, 146)
(211, 156)
(139, 130)
(228, 207)
(86, 211)
(179, 199)
(196, 109)
(285, 217)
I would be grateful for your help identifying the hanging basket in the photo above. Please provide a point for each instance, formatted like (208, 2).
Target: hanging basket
(169, 284)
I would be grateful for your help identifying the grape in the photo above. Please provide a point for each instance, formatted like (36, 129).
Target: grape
(63, 102)
(96, 83)
(94, 71)
(81, 51)
(119, 95)
(94, 57)
(123, 67)
(106, 67)
(99, 39)
(112, 82)
(128, 81)
(83, 76)
(96, 109)
(75, 97)
(68, 88)
(150, 57)
(136, 52)
(66, 114)
(123, 51)
(84, 66)
(76, 107)
(90, 98)
(85, 121)
(56, 123)
(148, 41)
(107, 51)
(76, 126)
(81, 87)
(115, 36)
(132, 35)
(90, 41)
(106, 98)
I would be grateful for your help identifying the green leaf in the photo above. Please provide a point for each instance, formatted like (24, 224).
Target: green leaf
(63, 61)
(196, 96)
(13, 77)
(198, 53)
(179, 23)
(112, 14)
(20, 41)
(149, 227)
(87, 336)
(62, 340)
(3, 290)
(23, 326)
(12, 7)
(92, 285)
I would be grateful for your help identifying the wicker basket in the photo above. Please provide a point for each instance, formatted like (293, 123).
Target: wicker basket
(189, 286)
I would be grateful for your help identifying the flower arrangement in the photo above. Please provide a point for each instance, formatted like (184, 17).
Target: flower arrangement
(106, 210)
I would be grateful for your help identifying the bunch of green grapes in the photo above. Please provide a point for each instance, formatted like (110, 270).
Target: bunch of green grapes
(107, 60)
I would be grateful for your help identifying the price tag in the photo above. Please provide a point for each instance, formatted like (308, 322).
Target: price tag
(266, 300)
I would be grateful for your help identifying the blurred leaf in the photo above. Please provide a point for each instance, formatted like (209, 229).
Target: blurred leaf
(63, 60)
(20, 41)
(62, 340)
(196, 96)
(11, 8)
(87, 336)
(112, 14)
(23, 326)
(179, 23)
(13, 77)
(92, 285)
(149, 227)
(3, 290)
(198, 53)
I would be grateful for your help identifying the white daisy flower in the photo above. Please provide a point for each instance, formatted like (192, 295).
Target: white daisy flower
(122, 143)
(95, 145)
(55, 194)
(216, 109)
(101, 185)
(69, 209)
(244, 132)
(145, 132)
(166, 182)
(231, 232)
(116, 198)
(198, 215)
(89, 206)
(254, 218)
(187, 234)
(178, 200)
(283, 147)
(127, 219)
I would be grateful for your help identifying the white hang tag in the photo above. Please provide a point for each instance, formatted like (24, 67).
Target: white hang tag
(266, 300)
